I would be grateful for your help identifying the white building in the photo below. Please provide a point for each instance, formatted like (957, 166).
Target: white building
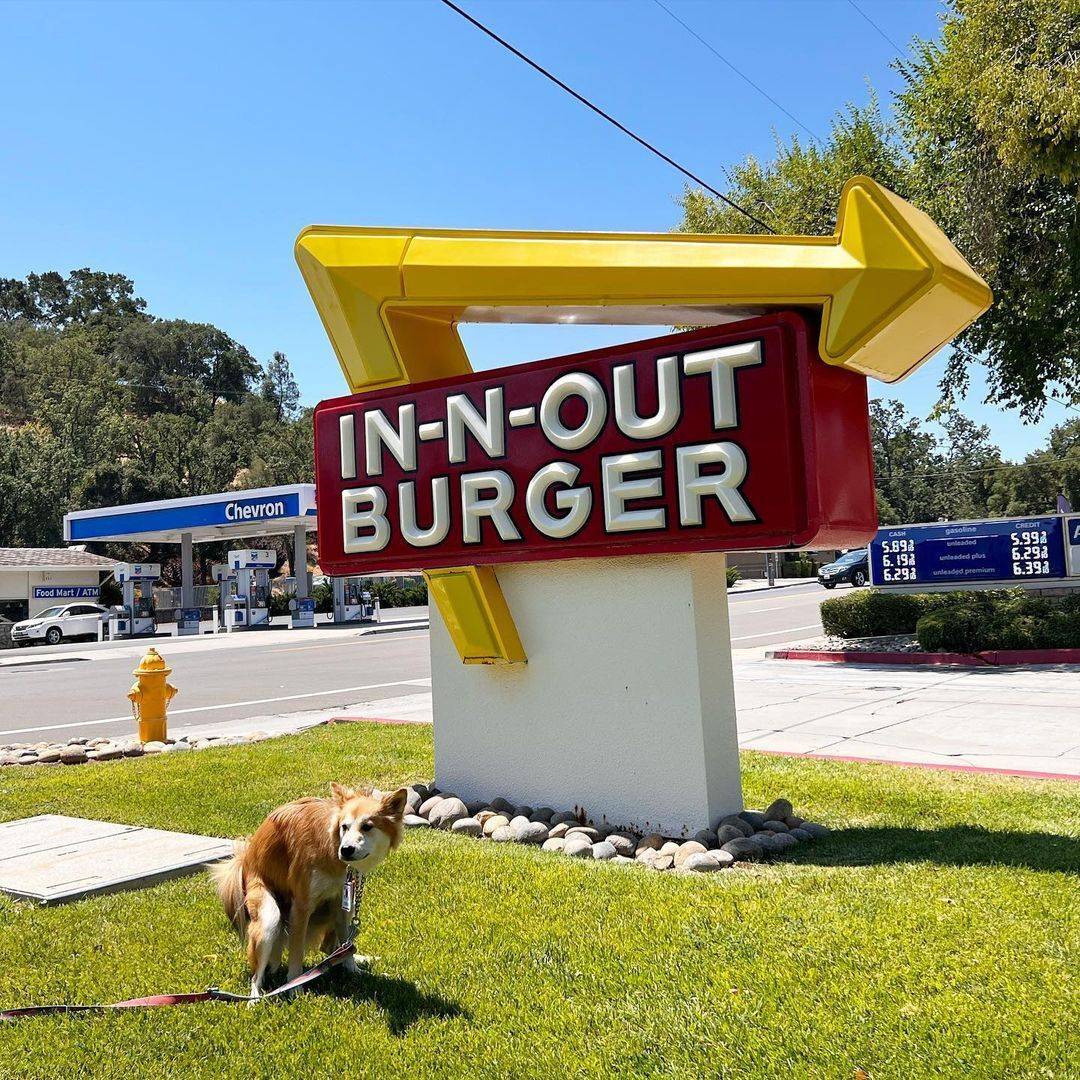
(33, 579)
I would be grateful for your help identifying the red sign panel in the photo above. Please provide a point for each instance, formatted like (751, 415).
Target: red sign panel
(726, 439)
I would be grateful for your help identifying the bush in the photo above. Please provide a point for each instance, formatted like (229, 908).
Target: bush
(1021, 632)
(279, 603)
(1061, 630)
(389, 593)
(871, 614)
(733, 575)
(949, 630)
(796, 568)
(323, 595)
(414, 594)
(960, 621)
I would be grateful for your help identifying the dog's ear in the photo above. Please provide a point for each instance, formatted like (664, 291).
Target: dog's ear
(340, 792)
(393, 805)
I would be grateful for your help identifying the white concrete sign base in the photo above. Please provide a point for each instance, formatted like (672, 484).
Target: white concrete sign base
(626, 706)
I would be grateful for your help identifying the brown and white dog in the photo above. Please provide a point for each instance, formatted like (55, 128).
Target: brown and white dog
(285, 883)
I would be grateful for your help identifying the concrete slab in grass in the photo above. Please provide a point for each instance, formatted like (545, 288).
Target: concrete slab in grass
(54, 859)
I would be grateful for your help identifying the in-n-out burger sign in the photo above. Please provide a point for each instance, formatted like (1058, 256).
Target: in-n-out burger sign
(720, 439)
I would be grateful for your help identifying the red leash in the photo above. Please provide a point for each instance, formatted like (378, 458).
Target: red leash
(155, 1001)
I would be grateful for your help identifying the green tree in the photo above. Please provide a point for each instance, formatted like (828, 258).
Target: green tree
(921, 477)
(1032, 487)
(82, 297)
(970, 462)
(182, 367)
(990, 116)
(30, 467)
(799, 190)
(906, 463)
(102, 404)
(987, 141)
(279, 387)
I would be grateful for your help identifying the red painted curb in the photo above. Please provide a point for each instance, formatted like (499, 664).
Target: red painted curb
(1032, 656)
(1027, 773)
(990, 658)
(842, 657)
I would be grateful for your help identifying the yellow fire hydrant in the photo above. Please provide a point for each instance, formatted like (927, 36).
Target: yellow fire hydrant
(150, 696)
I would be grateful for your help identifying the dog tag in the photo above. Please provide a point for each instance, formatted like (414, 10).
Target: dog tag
(348, 894)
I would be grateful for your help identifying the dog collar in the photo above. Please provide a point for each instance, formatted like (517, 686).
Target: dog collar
(352, 893)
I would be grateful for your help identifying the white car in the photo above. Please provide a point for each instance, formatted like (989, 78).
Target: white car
(56, 623)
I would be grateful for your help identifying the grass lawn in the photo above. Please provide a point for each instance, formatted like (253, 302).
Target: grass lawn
(933, 934)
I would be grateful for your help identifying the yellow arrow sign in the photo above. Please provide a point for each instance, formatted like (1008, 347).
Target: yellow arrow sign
(890, 286)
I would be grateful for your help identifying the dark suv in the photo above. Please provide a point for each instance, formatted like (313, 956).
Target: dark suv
(854, 568)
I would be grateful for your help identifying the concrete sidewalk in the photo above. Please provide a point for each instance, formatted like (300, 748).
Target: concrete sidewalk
(1007, 720)
(1019, 721)
(408, 708)
(748, 585)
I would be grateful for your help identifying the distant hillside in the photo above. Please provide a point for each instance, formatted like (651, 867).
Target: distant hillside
(104, 403)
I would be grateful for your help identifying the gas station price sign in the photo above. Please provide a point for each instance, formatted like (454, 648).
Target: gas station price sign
(722, 439)
(1016, 550)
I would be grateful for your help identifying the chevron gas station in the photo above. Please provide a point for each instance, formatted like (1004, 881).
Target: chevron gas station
(288, 510)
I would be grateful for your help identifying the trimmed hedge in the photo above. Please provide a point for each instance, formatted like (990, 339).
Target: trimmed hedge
(960, 621)
(1002, 620)
(949, 631)
(870, 614)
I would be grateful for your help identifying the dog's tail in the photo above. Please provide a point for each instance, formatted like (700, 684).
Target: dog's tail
(229, 878)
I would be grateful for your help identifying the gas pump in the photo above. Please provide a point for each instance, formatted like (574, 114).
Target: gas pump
(353, 602)
(225, 576)
(248, 608)
(137, 614)
(302, 613)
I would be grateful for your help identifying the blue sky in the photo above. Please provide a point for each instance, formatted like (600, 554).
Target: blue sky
(185, 145)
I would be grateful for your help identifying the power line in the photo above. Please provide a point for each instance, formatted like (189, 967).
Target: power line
(742, 74)
(972, 470)
(57, 388)
(217, 391)
(191, 384)
(605, 115)
(876, 27)
(1066, 404)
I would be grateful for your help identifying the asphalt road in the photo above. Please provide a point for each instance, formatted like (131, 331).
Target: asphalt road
(766, 617)
(81, 692)
(84, 694)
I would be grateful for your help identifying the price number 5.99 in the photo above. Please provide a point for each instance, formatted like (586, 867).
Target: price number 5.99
(1030, 553)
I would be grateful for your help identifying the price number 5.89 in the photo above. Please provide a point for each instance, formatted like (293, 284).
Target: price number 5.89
(897, 560)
